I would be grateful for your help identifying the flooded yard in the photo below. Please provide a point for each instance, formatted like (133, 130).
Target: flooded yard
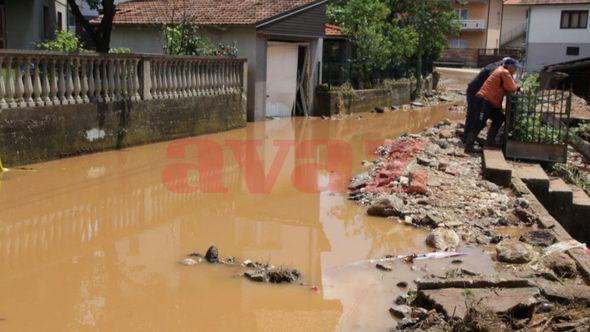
(93, 242)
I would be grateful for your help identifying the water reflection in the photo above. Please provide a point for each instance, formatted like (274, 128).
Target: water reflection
(97, 238)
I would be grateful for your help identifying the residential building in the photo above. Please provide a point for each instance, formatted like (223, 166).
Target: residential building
(514, 26)
(24, 23)
(480, 24)
(281, 40)
(557, 31)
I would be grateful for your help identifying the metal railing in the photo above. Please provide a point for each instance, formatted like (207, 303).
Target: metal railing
(39, 79)
(472, 24)
(537, 125)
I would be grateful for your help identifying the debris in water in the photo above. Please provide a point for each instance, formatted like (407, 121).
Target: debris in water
(212, 255)
(383, 267)
(190, 261)
(402, 284)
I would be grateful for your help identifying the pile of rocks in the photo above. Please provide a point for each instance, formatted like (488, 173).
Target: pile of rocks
(426, 180)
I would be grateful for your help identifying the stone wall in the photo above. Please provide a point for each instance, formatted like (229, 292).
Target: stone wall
(332, 102)
(35, 134)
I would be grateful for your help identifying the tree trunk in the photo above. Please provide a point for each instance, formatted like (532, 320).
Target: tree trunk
(419, 70)
(99, 34)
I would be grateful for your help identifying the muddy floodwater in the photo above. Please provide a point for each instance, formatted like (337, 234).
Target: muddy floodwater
(93, 242)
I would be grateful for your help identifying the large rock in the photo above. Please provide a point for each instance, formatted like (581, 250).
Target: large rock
(561, 264)
(514, 252)
(443, 239)
(390, 206)
(538, 238)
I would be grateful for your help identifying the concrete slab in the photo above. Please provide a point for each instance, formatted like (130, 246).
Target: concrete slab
(495, 167)
(580, 215)
(453, 302)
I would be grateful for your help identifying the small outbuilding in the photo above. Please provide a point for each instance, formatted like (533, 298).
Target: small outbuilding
(281, 40)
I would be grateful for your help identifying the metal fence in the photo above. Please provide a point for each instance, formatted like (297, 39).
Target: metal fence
(537, 125)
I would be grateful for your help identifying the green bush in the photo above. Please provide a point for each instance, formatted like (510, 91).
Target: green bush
(120, 50)
(64, 41)
(185, 39)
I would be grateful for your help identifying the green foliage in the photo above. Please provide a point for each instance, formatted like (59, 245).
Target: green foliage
(120, 50)
(389, 33)
(64, 41)
(583, 132)
(433, 21)
(529, 128)
(530, 83)
(185, 38)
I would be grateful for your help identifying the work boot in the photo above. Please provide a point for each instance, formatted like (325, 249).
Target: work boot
(470, 143)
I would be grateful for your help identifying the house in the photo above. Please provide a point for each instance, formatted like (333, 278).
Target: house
(514, 26)
(281, 40)
(481, 22)
(557, 31)
(24, 23)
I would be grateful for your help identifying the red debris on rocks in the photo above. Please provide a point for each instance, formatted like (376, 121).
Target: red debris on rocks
(402, 153)
(418, 183)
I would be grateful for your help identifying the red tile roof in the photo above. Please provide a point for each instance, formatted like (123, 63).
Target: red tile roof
(544, 2)
(204, 12)
(333, 30)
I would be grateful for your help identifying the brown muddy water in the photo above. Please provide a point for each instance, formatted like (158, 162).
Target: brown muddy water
(93, 242)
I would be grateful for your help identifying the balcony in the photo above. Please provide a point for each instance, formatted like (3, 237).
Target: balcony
(472, 25)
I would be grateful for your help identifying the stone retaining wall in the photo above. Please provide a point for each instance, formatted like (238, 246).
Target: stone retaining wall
(29, 135)
(328, 103)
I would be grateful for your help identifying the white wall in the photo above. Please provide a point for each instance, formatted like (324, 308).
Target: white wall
(547, 42)
(545, 25)
(139, 38)
(514, 22)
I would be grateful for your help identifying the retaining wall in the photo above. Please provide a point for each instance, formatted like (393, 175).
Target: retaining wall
(35, 134)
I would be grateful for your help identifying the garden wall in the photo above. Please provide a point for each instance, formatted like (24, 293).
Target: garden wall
(328, 103)
(34, 134)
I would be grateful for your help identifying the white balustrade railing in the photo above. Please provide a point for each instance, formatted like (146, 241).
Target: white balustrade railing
(33, 79)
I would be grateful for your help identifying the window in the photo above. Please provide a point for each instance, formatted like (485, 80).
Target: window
(60, 21)
(46, 23)
(462, 13)
(574, 19)
(458, 43)
(570, 50)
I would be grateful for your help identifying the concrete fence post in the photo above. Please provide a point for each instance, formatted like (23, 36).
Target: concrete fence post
(245, 80)
(146, 79)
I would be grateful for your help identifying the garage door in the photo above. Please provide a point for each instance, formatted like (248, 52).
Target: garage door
(281, 78)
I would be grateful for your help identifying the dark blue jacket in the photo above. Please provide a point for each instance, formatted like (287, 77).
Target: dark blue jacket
(474, 86)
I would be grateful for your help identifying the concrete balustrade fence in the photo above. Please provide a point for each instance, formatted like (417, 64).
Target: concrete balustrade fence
(34, 79)
(54, 105)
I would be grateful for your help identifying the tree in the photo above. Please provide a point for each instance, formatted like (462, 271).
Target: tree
(433, 21)
(377, 43)
(99, 34)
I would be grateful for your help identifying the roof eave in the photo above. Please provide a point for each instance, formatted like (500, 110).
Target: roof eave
(291, 12)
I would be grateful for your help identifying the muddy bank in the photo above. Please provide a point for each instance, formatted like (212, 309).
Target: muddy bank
(426, 181)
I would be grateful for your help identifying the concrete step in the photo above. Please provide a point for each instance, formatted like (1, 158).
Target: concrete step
(535, 178)
(559, 202)
(495, 167)
(580, 219)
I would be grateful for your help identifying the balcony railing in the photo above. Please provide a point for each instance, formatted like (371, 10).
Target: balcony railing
(29, 78)
(473, 24)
